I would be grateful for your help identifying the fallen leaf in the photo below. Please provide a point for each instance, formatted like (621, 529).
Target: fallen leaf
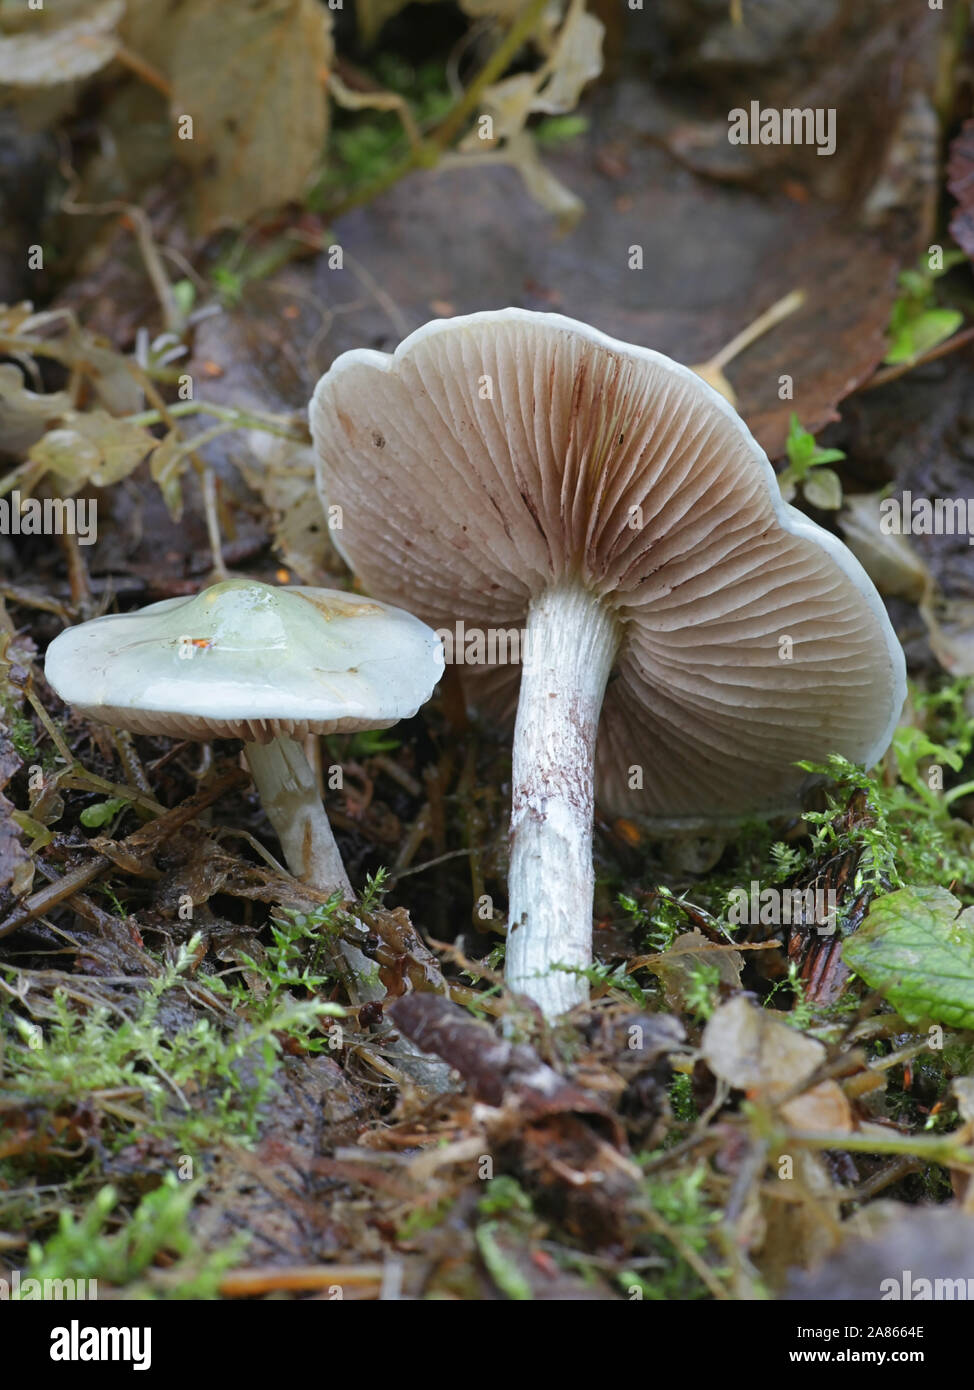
(912, 1253)
(91, 447)
(252, 77)
(25, 414)
(677, 967)
(65, 54)
(751, 1050)
(887, 557)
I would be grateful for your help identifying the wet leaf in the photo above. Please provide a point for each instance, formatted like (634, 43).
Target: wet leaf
(823, 489)
(917, 948)
(25, 414)
(887, 557)
(554, 87)
(678, 968)
(65, 54)
(750, 1049)
(252, 77)
(92, 447)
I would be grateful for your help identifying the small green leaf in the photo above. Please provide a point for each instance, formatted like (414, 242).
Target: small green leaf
(921, 333)
(102, 812)
(823, 489)
(556, 130)
(500, 1264)
(917, 948)
(800, 445)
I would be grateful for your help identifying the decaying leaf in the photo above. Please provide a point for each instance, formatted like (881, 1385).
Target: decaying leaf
(284, 477)
(59, 335)
(677, 967)
(917, 947)
(168, 463)
(65, 54)
(887, 557)
(253, 154)
(553, 88)
(91, 447)
(25, 414)
(911, 1253)
(750, 1049)
(950, 627)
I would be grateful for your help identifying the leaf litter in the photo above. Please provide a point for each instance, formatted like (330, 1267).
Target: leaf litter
(165, 987)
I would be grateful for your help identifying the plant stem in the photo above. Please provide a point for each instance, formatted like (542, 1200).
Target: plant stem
(571, 643)
(239, 419)
(427, 152)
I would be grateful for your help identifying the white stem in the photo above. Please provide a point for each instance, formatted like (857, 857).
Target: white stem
(572, 640)
(289, 794)
(290, 797)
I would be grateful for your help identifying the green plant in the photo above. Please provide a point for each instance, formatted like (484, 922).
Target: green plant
(85, 1054)
(703, 979)
(820, 486)
(83, 1247)
(683, 1204)
(917, 323)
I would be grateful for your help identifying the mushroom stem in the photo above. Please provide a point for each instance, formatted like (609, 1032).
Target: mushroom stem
(290, 797)
(571, 642)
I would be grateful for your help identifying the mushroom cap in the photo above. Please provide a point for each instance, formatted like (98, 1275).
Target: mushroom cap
(496, 454)
(246, 660)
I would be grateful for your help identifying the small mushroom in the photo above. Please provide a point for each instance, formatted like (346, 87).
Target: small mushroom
(513, 469)
(266, 665)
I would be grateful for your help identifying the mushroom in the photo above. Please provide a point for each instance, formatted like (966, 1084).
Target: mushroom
(266, 665)
(512, 469)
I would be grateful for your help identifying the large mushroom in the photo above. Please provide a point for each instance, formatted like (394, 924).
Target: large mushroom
(511, 469)
(267, 665)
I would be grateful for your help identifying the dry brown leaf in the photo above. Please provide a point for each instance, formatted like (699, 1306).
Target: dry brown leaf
(751, 1050)
(677, 970)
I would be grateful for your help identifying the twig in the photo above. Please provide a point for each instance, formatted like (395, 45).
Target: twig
(245, 1283)
(238, 419)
